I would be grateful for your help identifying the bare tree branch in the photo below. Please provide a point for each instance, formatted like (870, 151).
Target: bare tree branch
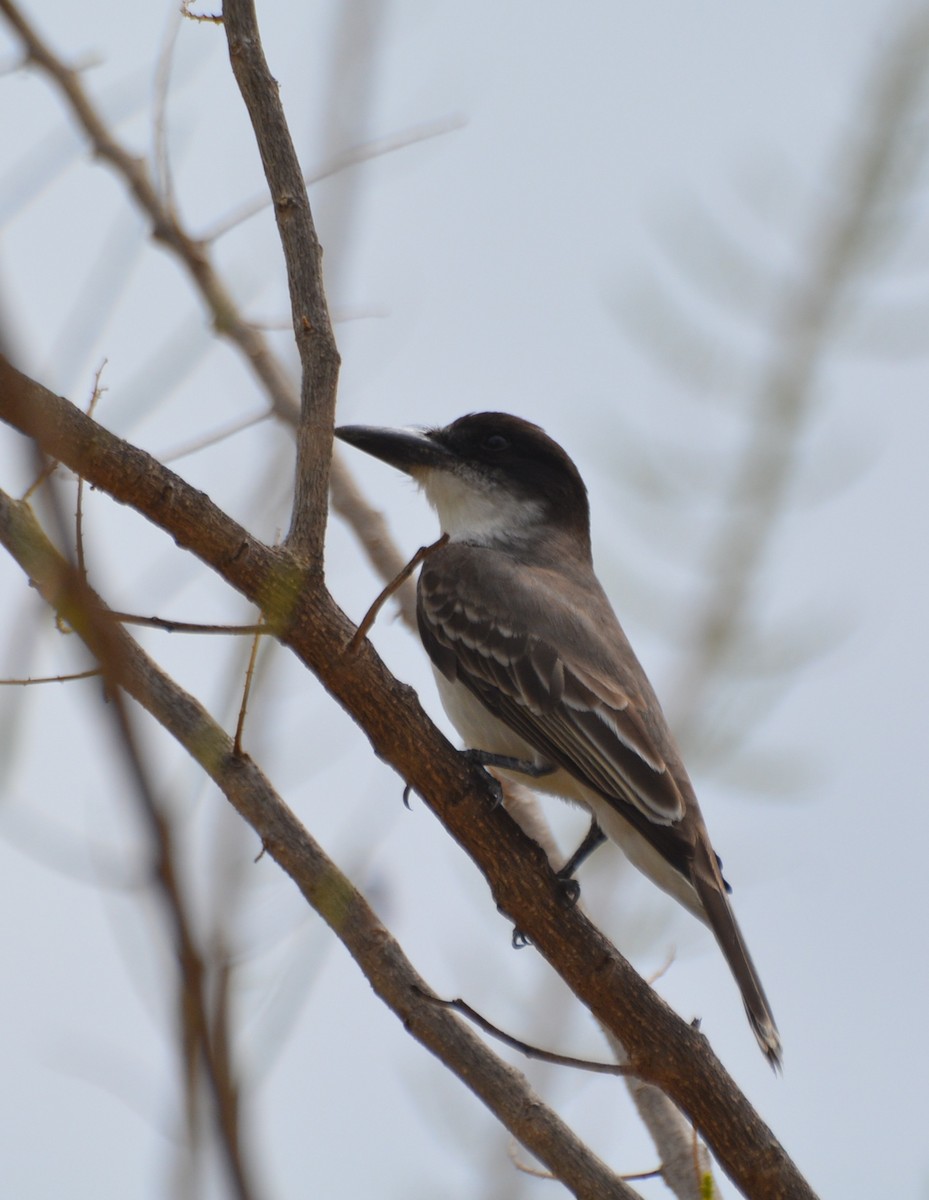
(194, 255)
(662, 1049)
(685, 1164)
(202, 1056)
(166, 227)
(287, 584)
(500, 1087)
(303, 255)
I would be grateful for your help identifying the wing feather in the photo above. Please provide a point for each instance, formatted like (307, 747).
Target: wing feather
(571, 711)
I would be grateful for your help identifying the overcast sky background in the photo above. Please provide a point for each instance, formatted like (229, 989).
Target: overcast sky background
(522, 261)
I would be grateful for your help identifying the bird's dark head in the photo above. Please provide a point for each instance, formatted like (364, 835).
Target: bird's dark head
(491, 477)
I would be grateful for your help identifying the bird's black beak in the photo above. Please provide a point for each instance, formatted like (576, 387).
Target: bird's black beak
(405, 449)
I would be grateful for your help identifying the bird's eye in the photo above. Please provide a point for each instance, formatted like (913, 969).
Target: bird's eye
(496, 442)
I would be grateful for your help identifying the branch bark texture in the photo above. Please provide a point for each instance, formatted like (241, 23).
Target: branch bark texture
(662, 1049)
(503, 1089)
(194, 256)
(319, 358)
(287, 584)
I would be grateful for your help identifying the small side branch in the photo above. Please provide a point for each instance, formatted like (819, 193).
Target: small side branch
(530, 1051)
(398, 580)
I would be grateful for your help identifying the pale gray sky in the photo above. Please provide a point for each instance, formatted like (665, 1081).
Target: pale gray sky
(506, 264)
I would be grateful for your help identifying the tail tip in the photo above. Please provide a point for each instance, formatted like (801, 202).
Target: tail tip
(770, 1042)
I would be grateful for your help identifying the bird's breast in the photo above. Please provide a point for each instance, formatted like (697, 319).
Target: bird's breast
(477, 725)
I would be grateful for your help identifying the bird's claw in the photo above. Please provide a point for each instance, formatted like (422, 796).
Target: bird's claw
(519, 939)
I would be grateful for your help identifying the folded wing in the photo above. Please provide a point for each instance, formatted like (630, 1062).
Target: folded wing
(568, 709)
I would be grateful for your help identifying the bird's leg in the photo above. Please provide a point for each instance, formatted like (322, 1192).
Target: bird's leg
(522, 766)
(565, 875)
(485, 758)
(570, 887)
(592, 840)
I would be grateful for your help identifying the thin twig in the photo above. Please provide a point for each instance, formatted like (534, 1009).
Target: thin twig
(171, 626)
(79, 505)
(90, 674)
(246, 690)
(522, 1166)
(49, 467)
(195, 445)
(548, 1056)
(373, 533)
(398, 580)
(202, 18)
(634, 1176)
(160, 153)
(366, 152)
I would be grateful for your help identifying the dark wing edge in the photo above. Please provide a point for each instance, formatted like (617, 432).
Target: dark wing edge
(579, 720)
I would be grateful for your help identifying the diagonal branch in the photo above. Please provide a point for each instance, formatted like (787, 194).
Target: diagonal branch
(503, 1089)
(194, 256)
(166, 227)
(662, 1049)
(203, 1055)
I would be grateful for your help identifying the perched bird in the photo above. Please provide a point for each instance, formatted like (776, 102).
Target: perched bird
(533, 667)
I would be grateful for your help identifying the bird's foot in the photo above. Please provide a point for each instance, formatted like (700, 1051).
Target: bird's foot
(521, 766)
(592, 839)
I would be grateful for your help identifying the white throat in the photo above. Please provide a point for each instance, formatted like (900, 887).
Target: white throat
(472, 510)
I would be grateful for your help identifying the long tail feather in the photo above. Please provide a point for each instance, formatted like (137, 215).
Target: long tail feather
(721, 919)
